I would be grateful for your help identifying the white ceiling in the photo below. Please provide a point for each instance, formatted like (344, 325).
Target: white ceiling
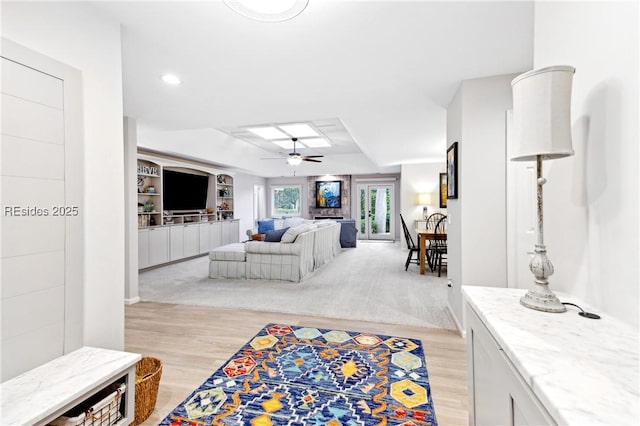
(385, 69)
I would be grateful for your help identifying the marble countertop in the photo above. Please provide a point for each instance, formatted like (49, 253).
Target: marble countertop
(583, 371)
(36, 394)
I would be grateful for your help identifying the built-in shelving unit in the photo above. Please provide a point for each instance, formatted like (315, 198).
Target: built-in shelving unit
(224, 197)
(149, 194)
(169, 235)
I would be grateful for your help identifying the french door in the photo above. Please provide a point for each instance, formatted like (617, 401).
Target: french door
(375, 211)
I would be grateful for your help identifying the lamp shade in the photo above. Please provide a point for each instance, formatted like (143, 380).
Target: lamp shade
(542, 113)
(424, 199)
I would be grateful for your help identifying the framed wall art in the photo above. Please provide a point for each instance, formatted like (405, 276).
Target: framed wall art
(328, 194)
(452, 171)
(443, 190)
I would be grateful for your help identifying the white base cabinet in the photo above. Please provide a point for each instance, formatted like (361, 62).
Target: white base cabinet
(162, 244)
(498, 394)
(143, 248)
(158, 245)
(230, 232)
(528, 367)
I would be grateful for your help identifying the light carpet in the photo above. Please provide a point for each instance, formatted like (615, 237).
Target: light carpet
(366, 283)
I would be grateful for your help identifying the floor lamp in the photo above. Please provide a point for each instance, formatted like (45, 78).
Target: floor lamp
(542, 131)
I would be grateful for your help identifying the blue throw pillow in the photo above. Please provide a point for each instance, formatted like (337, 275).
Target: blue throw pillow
(274, 236)
(264, 226)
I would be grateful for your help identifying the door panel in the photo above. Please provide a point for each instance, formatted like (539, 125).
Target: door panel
(375, 211)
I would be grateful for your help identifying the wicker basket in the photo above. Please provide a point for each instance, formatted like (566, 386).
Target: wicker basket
(102, 409)
(148, 372)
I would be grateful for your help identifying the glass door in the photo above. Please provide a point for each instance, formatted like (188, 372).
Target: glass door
(375, 211)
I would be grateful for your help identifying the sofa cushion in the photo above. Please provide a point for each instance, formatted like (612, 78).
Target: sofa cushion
(231, 252)
(292, 233)
(293, 222)
(265, 225)
(274, 236)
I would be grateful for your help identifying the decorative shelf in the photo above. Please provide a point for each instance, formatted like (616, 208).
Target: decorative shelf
(148, 175)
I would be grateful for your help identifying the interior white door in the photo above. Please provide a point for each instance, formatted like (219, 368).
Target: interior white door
(521, 217)
(376, 211)
(42, 230)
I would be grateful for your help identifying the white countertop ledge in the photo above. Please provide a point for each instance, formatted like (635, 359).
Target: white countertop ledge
(36, 394)
(584, 371)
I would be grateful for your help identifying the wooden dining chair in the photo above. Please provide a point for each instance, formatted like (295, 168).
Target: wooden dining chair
(439, 249)
(432, 221)
(413, 248)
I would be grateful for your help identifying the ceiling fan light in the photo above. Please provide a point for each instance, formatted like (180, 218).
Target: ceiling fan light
(294, 160)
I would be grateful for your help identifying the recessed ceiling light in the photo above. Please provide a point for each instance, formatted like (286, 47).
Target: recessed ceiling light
(288, 144)
(171, 79)
(267, 132)
(270, 11)
(315, 142)
(299, 130)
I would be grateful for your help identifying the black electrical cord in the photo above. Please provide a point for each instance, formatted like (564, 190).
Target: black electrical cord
(582, 312)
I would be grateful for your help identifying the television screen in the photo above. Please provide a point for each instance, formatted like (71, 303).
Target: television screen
(328, 194)
(184, 191)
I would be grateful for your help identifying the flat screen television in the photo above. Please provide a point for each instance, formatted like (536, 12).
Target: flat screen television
(184, 191)
(328, 194)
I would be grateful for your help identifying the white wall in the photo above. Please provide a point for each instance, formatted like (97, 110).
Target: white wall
(74, 34)
(131, 293)
(415, 179)
(591, 199)
(477, 228)
(243, 200)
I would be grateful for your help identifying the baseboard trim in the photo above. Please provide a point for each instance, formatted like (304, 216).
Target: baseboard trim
(132, 301)
(461, 331)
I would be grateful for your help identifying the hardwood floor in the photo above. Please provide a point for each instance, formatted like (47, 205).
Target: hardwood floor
(194, 341)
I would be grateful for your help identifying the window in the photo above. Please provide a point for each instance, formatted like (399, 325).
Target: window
(286, 200)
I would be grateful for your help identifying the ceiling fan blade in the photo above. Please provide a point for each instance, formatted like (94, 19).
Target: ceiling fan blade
(312, 160)
(273, 158)
(313, 156)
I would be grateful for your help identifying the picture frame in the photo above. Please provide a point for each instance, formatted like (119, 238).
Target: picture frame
(328, 194)
(452, 171)
(443, 190)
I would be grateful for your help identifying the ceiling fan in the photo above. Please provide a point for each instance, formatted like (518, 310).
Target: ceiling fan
(296, 158)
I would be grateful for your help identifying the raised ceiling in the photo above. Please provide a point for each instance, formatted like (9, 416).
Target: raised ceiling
(385, 70)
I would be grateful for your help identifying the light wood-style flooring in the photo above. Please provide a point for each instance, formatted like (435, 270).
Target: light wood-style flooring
(194, 341)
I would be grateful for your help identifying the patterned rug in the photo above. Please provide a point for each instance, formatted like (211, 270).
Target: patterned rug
(289, 375)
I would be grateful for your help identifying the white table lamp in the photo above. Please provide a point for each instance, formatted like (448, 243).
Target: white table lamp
(542, 131)
(424, 199)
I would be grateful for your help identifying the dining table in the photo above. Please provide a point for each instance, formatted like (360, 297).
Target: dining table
(425, 235)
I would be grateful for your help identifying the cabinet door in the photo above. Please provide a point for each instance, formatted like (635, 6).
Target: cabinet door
(215, 235)
(143, 248)
(191, 240)
(230, 232)
(499, 395)
(489, 400)
(158, 246)
(205, 240)
(235, 231)
(176, 238)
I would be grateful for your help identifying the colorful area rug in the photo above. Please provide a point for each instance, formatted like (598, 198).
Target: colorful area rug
(289, 375)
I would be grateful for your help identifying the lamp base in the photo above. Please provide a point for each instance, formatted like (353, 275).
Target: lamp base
(540, 298)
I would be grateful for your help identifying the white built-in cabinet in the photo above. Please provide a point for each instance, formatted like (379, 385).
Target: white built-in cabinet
(162, 244)
(167, 236)
(158, 245)
(499, 394)
(230, 232)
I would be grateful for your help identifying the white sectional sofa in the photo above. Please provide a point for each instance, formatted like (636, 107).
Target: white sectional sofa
(313, 247)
